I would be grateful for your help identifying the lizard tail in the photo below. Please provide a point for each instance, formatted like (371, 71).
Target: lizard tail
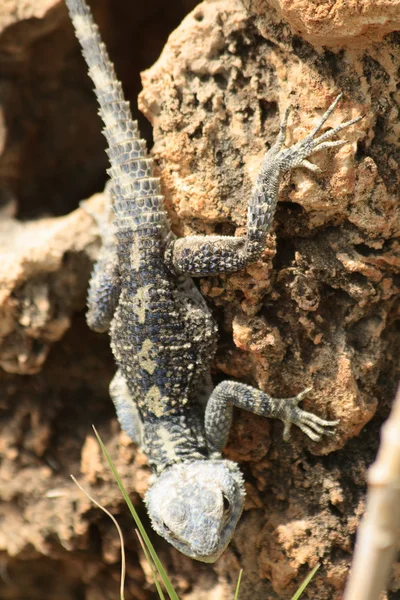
(138, 204)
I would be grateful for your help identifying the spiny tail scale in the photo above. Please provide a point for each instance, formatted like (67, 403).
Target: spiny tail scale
(137, 202)
(146, 319)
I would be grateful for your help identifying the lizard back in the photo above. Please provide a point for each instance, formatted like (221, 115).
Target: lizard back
(162, 333)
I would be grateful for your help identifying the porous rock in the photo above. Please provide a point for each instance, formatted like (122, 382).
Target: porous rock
(320, 308)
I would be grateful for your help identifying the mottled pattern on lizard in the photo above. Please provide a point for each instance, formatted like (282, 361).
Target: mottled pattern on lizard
(162, 334)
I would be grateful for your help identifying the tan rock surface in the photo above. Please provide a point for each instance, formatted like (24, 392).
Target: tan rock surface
(332, 22)
(320, 308)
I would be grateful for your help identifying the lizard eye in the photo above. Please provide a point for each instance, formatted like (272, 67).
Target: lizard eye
(168, 531)
(227, 504)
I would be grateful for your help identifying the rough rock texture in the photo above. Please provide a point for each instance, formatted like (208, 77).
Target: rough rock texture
(356, 23)
(320, 308)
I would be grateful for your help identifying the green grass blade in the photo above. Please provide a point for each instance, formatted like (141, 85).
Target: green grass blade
(168, 585)
(238, 584)
(151, 565)
(305, 582)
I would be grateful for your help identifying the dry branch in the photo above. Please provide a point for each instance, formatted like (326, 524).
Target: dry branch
(378, 533)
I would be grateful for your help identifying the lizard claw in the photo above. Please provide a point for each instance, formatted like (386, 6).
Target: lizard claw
(310, 166)
(296, 155)
(280, 140)
(312, 425)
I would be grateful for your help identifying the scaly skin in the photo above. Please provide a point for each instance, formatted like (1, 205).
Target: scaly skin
(162, 334)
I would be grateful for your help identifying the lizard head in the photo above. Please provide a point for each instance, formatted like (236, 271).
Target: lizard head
(196, 505)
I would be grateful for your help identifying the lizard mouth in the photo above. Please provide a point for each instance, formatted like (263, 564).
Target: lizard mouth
(189, 550)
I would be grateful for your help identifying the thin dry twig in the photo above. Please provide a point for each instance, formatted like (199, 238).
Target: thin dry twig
(378, 532)
(123, 565)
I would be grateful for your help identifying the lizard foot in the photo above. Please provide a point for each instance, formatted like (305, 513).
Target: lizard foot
(310, 424)
(296, 155)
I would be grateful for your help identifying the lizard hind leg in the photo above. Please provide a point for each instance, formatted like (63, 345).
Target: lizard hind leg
(205, 255)
(296, 155)
(104, 285)
(103, 293)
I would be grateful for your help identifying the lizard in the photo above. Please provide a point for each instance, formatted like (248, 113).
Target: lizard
(163, 336)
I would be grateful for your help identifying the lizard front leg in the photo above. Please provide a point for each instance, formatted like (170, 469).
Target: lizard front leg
(206, 255)
(218, 415)
(126, 410)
